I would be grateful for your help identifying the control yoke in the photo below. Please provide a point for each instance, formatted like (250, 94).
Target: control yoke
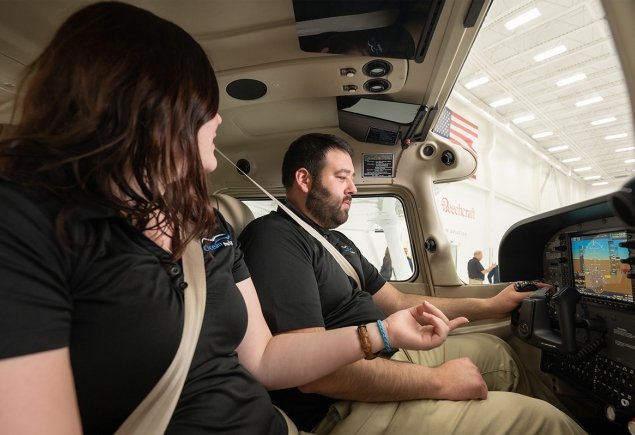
(534, 324)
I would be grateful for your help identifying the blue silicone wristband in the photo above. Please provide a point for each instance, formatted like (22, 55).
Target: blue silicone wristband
(384, 336)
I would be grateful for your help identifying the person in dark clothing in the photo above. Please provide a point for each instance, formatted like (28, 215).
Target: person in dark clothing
(475, 270)
(386, 265)
(494, 275)
(102, 185)
(445, 390)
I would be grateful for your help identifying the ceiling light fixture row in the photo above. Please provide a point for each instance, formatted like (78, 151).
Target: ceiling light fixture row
(544, 52)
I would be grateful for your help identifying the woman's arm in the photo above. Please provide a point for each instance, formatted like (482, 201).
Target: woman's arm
(288, 360)
(37, 395)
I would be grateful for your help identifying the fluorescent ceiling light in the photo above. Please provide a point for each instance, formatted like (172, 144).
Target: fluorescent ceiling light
(603, 120)
(571, 79)
(523, 18)
(501, 102)
(572, 159)
(542, 134)
(593, 177)
(550, 53)
(588, 101)
(558, 148)
(619, 150)
(600, 183)
(582, 169)
(476, 82)
(524, 118)
(615, 136)
(629, 161)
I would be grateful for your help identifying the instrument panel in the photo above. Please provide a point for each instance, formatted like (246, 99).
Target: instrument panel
(584, 323)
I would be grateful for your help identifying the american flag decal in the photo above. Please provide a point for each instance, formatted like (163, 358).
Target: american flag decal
(456, 128)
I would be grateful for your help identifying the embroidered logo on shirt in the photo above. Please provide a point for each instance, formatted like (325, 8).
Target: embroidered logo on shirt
(345, 249)
(216, 242)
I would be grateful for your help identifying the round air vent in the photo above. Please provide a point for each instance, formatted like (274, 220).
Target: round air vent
(430, 244)
(246, 89)
(428, 151)
(447, 157)
(244, 166)
(377, 85)
(377, 68)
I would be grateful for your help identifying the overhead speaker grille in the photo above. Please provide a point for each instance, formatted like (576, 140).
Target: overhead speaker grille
(246, 89)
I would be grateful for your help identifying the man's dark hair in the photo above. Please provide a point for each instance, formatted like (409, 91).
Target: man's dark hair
(309, 152)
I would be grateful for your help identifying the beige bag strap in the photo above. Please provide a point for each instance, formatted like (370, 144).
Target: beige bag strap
(344, 264)
(154, 413)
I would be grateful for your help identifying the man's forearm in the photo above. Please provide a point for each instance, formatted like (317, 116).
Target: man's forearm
(472, 308)
(378, 380)
(390, 300)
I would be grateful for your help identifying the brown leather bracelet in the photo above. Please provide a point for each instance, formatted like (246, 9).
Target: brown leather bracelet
(364, 340)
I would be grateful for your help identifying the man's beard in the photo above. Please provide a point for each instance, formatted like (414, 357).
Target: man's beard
(327, 211)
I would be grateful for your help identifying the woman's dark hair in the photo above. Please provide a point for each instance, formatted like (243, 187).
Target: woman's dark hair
(110, 112)
(309, 152)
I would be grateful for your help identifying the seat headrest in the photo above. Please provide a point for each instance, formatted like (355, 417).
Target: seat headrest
(233, 210)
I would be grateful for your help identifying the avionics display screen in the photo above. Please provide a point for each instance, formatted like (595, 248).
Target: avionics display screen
(597, 270)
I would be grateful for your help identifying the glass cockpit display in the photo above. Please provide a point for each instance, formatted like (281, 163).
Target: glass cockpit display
(597, 267)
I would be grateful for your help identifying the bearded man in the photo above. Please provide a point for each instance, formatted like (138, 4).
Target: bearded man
(467, 385)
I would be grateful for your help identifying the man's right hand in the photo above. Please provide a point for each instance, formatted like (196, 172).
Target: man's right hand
(421, 327)
(459, 379)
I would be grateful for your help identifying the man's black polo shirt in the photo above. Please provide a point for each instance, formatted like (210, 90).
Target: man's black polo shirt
(300, 285)
(475, 269)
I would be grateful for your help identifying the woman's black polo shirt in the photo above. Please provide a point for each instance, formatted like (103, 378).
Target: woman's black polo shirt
(118, 304)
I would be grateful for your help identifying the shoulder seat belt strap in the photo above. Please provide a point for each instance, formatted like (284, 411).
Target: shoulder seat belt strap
(153, 414)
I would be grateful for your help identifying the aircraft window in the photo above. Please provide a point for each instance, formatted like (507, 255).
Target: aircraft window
(377, 225)
(546, 132)
(474, 221)
(377, 28)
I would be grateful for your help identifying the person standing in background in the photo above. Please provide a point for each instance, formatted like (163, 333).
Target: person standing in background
(475, 270)
(386, 265)
(494, 275)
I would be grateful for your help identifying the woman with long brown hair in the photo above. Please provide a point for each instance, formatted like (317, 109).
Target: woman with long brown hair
(102, 186)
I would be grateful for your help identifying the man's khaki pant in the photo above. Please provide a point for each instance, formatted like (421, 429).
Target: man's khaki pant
(503, 412)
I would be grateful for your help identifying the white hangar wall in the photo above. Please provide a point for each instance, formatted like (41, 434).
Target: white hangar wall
(513, 181)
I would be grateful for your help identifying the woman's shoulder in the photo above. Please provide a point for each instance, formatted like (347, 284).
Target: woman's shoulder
(222, 235)
(20, 203)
